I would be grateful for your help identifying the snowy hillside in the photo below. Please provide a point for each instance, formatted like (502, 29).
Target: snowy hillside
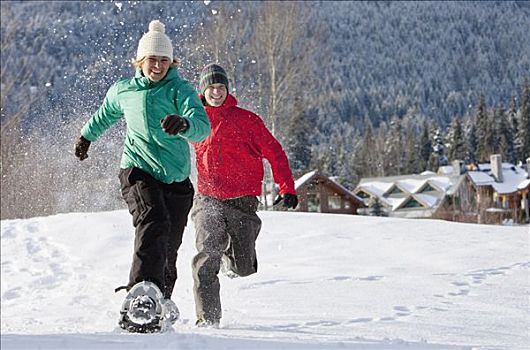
(324, 282)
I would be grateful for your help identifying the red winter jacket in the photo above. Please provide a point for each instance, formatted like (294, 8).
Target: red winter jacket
(230, 160)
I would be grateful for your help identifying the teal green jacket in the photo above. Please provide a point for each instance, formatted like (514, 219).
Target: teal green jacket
(143, 104)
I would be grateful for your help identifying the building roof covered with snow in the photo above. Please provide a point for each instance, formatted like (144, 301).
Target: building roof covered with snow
(320, 193)
(502, 185)
(407, 195)
(509, 182)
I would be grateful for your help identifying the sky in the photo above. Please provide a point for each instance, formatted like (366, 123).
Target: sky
(324, 281)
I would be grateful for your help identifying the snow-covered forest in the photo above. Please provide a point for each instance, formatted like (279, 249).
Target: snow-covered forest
(352, 88)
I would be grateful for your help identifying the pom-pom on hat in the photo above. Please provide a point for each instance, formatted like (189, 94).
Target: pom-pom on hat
(155, 42)
(212, 74)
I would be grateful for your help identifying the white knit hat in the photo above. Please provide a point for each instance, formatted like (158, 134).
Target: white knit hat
(155, 42)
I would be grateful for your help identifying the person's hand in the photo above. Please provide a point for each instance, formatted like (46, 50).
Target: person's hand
(289, 200)
(173, 124)
(81, 148)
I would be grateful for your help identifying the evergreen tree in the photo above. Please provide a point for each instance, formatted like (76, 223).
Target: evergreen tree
(484, 132)
(457, 150)
(379, 153)
(345, 158)
(366, 155)
(332, 159)
(299, 143)
(425, 147)
(394, 148)
(438, 155)
(504, 136)
(523, 132)
(514, 123)
(411, 152)
(376, 208)
(472, 145)
(321, 156)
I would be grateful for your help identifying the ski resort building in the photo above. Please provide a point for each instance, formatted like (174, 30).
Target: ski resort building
(493, 193)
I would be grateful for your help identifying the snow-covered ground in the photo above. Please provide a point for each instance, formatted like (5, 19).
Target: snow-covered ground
(324, 282)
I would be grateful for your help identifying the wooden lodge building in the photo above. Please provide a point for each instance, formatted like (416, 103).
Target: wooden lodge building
(322, 194)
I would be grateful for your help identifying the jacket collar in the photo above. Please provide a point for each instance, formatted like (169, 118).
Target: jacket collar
(144, 81)
(230, 101)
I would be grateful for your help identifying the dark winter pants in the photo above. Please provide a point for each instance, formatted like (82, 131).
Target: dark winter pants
(160, 213)
(228, 228)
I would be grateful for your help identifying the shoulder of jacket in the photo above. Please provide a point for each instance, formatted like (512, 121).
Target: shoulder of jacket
(245, 113)
(122, 85)
(181, 89)
(183, 84)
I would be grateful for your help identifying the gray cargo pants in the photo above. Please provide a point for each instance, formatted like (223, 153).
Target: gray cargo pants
(223, 228)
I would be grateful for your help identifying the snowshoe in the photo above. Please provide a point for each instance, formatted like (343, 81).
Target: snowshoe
(142, 310)
(170, 311)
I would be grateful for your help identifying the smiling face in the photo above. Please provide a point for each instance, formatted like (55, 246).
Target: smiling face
(155, 67)
(215, 94)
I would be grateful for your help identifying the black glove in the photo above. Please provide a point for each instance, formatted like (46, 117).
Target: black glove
(81, 148)
(173, 124)
(289, 200)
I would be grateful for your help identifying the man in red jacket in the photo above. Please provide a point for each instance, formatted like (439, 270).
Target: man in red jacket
(230, 175)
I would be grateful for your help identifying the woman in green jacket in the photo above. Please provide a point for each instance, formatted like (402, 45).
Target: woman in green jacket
(163, 113)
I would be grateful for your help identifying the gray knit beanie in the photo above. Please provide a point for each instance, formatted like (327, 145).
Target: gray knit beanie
(212, 74)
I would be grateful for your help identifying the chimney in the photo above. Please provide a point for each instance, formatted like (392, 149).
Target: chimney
(457, 167)
(496, 167)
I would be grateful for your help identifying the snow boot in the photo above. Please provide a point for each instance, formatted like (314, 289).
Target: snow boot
(202, 323)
